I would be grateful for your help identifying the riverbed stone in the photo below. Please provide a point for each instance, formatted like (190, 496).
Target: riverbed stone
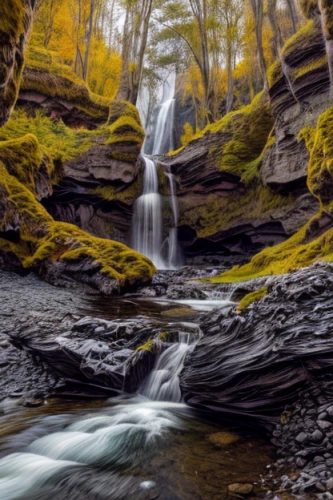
(222, 439)
(242, 489)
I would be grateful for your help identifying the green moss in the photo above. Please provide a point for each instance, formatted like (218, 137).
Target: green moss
(252, 297)
(127, 194)
(59, 80)
(214, 213)
(12, 18)
(164, 336)
(319, 142)
(57, 141)
(119, 109)
(145, 347)
(45, 239)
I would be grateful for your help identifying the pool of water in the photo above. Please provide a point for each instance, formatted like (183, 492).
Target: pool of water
(127, 448)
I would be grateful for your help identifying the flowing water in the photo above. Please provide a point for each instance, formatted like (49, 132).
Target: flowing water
(139, 447)
(147, 225)
(163, 142)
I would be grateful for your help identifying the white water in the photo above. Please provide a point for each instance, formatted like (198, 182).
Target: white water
(121, 437)
(163, 382)
(163, 141)
(147, 224)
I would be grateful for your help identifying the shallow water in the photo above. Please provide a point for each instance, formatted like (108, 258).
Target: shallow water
(123, 449)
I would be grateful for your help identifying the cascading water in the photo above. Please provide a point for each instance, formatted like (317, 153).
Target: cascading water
(147, 222)
(163, 382)
(163, 142)
(147, 226)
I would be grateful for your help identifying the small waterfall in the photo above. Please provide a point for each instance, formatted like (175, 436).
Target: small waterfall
(147, 225)
(163, 142)
(163, 382)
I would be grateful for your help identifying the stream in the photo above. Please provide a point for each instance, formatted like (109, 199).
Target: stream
(142, 446)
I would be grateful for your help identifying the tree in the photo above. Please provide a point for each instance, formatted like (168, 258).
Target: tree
(230, 14)
(257, 9)
(135, 36)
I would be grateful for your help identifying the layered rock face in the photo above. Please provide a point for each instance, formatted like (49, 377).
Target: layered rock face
(299, 93)
(15, 23)
(250, 365)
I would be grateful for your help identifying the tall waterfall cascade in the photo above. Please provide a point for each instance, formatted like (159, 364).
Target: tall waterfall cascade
(148, 225)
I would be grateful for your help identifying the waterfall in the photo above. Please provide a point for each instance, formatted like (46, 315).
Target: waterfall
(163, 142)
(147, 224)
(162, 383)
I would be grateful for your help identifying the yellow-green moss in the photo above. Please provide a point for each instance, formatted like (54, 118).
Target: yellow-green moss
(311, 66)
(127, 195)
(251, 297)
(59, 142)
(45, 238)
(274, 72)
(304, 37)
(12, 18)
(146, 346)
(320, 170)
(214, 213)
(59, 80)
(248, 128)
(120, 109)
(15, 21)
(292, 254)
(23, 159)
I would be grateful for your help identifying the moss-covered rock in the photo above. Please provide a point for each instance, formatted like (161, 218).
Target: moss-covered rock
(251, 297)
(15, 21)
(60, 252)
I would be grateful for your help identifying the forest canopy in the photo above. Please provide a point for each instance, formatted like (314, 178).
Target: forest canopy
(219, 49)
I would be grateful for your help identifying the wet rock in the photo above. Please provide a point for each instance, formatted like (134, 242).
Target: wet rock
(242, 489)
(221, 439)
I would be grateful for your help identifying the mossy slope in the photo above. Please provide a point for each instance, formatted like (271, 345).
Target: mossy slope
(46, 244)
(315, 240)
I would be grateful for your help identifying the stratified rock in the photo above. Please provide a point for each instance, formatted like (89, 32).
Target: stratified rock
(249, 366)
(15, 21)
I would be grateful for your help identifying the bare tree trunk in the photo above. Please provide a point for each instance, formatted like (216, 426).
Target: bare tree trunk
(277, 37)
(88, 40)
(230, 92)
(293, 14)
(137, 75)
(123, 91)
(257, 8)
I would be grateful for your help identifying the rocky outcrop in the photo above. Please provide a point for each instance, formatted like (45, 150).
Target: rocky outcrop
(61, 253)
(299, 93)
(99, 187)
(250, 365)
(15, 21)
(62, 95)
